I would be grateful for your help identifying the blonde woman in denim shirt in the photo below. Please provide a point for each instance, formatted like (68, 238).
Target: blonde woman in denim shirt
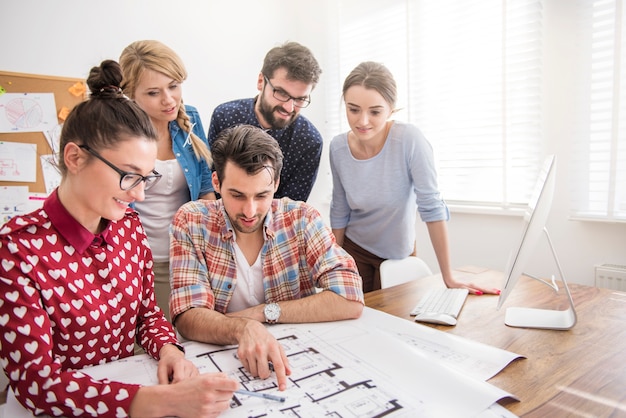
(153, 77)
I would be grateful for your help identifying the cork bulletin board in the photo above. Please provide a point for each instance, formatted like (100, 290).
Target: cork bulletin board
(68, 92)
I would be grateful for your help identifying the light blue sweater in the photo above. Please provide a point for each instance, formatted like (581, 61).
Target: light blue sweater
(376, 199)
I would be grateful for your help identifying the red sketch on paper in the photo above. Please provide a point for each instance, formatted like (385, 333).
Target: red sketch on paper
(8, 166)
(27, 112)
(18, 161)
(24, 113)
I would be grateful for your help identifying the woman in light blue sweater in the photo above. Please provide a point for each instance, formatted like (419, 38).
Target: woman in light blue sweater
(383, 172)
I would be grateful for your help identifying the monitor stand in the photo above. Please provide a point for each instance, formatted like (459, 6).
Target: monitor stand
(544, 318)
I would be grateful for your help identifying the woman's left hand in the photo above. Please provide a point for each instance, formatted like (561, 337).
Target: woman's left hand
(173, 366)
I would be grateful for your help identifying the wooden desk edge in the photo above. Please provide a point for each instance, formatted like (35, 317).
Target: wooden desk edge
(586, 359)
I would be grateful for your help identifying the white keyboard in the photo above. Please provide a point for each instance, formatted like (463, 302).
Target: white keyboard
(443, 301)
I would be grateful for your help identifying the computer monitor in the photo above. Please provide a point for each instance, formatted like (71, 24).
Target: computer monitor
(534, 226)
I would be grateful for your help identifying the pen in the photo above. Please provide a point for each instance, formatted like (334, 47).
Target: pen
(261, 395)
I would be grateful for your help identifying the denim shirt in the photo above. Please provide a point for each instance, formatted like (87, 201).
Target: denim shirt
(197, 172)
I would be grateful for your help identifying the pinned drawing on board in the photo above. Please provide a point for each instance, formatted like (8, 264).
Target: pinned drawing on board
(18, 161)
(27, 112)
(51, 172)
(12, 199)
(53, 137)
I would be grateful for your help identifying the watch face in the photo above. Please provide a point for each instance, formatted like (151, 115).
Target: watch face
(272, 312)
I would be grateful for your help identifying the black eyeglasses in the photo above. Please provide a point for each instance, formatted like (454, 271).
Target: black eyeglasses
(283, 96)
(127, 180)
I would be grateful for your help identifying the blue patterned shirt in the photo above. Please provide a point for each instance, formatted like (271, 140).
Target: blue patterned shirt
(300, 142)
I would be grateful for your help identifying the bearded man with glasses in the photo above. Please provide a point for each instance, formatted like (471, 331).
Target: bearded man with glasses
(290, 73)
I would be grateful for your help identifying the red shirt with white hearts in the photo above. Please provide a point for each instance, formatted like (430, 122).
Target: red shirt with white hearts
(70, 299)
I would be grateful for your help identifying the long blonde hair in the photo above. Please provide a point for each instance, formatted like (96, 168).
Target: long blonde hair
(156, 56)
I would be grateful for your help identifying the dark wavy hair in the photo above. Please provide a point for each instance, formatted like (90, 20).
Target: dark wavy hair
(297, 59)
(248, 147)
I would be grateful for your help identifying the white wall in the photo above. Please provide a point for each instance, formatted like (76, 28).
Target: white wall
(223, 44)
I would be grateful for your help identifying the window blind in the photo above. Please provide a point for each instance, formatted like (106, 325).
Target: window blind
(599, 174)
(469, 76)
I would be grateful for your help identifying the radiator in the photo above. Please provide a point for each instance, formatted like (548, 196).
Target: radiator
(611, 276)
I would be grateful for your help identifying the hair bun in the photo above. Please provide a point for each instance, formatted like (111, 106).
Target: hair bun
(104, 81)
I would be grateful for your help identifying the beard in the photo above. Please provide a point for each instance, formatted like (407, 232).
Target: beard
(268, 114)
(239, 227)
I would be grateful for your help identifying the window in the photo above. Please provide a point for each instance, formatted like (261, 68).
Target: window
(599, 180)
(469, 76)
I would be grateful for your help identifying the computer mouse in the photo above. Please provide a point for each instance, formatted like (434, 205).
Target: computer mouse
(436, 318)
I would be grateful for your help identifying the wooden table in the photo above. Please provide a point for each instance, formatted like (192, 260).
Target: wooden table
(580, 372)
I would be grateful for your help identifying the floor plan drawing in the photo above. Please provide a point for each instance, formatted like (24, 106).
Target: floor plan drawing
(319, 386)
(376, 366)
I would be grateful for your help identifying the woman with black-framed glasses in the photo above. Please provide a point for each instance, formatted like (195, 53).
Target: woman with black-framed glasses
(76, 277)
(128, 180)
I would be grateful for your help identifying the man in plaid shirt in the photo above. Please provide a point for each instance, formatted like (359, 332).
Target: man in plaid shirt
(249, 259)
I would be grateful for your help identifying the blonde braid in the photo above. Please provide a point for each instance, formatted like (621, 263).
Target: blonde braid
(200, 148)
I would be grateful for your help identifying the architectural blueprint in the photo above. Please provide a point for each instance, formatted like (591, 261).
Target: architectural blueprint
(319, 386)
(343, 369)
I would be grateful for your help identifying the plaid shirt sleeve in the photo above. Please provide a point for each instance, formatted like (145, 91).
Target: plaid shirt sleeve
(305, 255)
(194, 245)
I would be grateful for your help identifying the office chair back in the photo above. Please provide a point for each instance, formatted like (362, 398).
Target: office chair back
(394, 272)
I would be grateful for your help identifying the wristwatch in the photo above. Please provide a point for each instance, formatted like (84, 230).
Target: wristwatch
(272, 313)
